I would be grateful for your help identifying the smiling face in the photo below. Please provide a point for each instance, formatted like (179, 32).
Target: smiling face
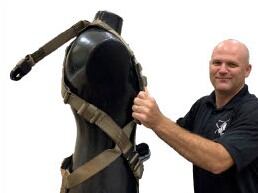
(229, 66)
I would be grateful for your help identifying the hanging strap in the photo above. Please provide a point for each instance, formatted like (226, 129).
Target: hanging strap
(24, 66)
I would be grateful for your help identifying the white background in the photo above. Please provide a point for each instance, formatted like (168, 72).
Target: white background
(172, 39)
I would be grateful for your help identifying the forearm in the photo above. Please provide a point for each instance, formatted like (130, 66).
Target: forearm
(202, 152)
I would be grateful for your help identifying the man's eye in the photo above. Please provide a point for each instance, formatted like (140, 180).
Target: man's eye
(216, 62)
(232, 65)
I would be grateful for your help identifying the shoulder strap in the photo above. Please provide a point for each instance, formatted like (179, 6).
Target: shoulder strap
(141, 79)
(24, 66)
(106, 27)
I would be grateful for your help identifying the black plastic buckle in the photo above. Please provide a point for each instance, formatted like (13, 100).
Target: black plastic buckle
(144, 151)
(22, 68)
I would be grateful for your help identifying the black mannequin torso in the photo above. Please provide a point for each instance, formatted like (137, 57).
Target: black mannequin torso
(99, 69)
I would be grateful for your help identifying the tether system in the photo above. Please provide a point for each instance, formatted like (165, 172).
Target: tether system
(120, 136)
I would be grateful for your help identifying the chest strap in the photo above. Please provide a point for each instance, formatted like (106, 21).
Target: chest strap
(120, 136)
(98, 117)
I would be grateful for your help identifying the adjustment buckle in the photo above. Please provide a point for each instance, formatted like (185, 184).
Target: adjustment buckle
(67, 96)
(92, 113)
(65, 173)
(135, 163)
(95, 114)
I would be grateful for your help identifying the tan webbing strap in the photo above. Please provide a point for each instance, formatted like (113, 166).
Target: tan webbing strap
(141, 79)
(64, 188)
(98, 117)
(93, 166)
(106, 124)
(106, 27)
(89, 169)
(59, 40)
(24, 66)
(119, 136)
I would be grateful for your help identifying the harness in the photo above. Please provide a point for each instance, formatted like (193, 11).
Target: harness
(92, 114)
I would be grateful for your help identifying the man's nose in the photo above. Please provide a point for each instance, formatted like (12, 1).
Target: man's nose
(223, 68)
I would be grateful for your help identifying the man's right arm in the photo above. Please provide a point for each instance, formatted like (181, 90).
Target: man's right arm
(202, 152)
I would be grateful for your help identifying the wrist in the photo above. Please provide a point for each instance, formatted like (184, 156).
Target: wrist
(161, 124)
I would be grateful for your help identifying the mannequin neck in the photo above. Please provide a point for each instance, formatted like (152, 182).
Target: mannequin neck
(111, 19)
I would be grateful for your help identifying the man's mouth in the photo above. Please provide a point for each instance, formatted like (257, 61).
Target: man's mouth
(223, 78)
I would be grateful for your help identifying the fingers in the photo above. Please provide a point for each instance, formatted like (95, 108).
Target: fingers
(144, 94)
(144, 108)
(139, 101)
(140, 108)
(139, 117)
(146, 90)
(144, 99)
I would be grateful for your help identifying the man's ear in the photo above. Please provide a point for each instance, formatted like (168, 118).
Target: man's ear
(248, 70)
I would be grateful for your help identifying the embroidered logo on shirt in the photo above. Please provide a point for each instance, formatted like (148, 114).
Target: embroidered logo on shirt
(221, 125)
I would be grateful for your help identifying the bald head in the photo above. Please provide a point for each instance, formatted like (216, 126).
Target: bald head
(235, 47)
(229, 66)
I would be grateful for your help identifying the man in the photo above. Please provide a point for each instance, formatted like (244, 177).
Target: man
(219, 134)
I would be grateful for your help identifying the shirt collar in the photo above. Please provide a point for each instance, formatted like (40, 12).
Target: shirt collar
(232, 102)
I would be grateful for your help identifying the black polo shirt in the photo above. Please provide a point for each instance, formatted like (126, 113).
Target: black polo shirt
(235, 126)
